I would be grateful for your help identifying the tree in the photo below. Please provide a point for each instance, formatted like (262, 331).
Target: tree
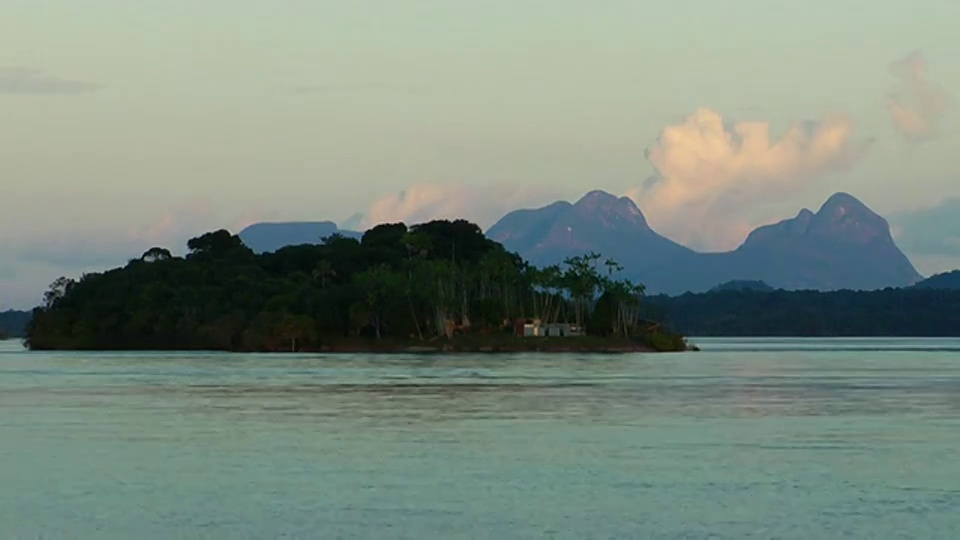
(296, 327)
(416, 243)
(417, 246)
(155, 254)
(624, 299)
(439, 275)
(57, 291)
(582, 281)
(323, 272)
(378, 285)
(612, 267)
(385, 235)
(219, 245)
(458, 241)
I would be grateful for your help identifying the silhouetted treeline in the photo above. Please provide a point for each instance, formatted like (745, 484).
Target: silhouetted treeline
(430, 282)
(13, 323)
(888, 312)
(946, 280)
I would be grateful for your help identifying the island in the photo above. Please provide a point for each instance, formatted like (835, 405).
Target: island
(440, 286)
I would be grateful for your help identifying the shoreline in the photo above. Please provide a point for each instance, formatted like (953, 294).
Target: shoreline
(588, 345)
(504, 345)
(486, 349)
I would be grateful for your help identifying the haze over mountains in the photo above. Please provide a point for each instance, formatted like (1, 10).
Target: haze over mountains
(844, 245)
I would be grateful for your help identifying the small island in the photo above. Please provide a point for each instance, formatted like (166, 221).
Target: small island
(440, 286)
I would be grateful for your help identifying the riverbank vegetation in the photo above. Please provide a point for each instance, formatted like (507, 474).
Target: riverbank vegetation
(13, 324)
(440, 285)
(908, 312)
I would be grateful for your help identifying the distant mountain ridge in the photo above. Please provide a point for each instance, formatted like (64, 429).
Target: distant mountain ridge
(13, 324)
(267, 236)
(598, 222)
(944, 281)
(844, 245)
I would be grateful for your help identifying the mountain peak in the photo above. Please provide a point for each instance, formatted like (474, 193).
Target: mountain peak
(843, 204)
(842, 217)
(599, 221)
(597, 196)
(603, 206)
(845, 216)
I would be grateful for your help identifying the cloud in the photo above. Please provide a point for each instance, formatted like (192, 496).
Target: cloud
(31, 263)
(353, 223)
(483, 205)
(96, 249)
(709, 173)
(917, 104)
(19, 80)
(932, 231)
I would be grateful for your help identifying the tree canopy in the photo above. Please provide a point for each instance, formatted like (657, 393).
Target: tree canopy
(13, 323)
(887, 312)
(946, 280)
(431, 281)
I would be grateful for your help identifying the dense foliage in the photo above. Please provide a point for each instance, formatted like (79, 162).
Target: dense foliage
(13, 323)
(433, 281)
(946, 280)
(743, 285)
(888, 312)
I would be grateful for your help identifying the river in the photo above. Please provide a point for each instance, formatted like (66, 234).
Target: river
(749, 438)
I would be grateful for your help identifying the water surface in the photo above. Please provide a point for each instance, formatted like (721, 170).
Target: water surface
(750, 438)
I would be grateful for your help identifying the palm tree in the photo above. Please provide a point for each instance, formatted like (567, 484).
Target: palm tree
(418, 246)
(612, 266)
(324, 271)
(582, 280)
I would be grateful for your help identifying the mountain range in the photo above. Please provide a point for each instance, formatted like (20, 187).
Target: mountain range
(844, 245)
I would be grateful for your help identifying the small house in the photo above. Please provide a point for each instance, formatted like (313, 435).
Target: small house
(537, 328)
(563, 330)
(528, 327)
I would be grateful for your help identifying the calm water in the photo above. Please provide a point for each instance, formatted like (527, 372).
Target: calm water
(747, 439)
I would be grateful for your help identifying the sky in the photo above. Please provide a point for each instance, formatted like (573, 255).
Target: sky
(124, 126)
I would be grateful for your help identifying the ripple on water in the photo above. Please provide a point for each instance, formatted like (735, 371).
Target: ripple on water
(766, 439)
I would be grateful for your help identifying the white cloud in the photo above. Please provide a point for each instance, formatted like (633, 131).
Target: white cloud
(31, 263)
(917, 104)
(34, 262)
(709, 172)
(482, 205)
(103, 246)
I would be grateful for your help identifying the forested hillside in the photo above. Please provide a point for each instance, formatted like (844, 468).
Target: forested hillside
(889, 312)
(946, 280)
(13, 323)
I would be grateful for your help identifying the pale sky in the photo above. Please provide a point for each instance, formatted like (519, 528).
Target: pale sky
(128, 124)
